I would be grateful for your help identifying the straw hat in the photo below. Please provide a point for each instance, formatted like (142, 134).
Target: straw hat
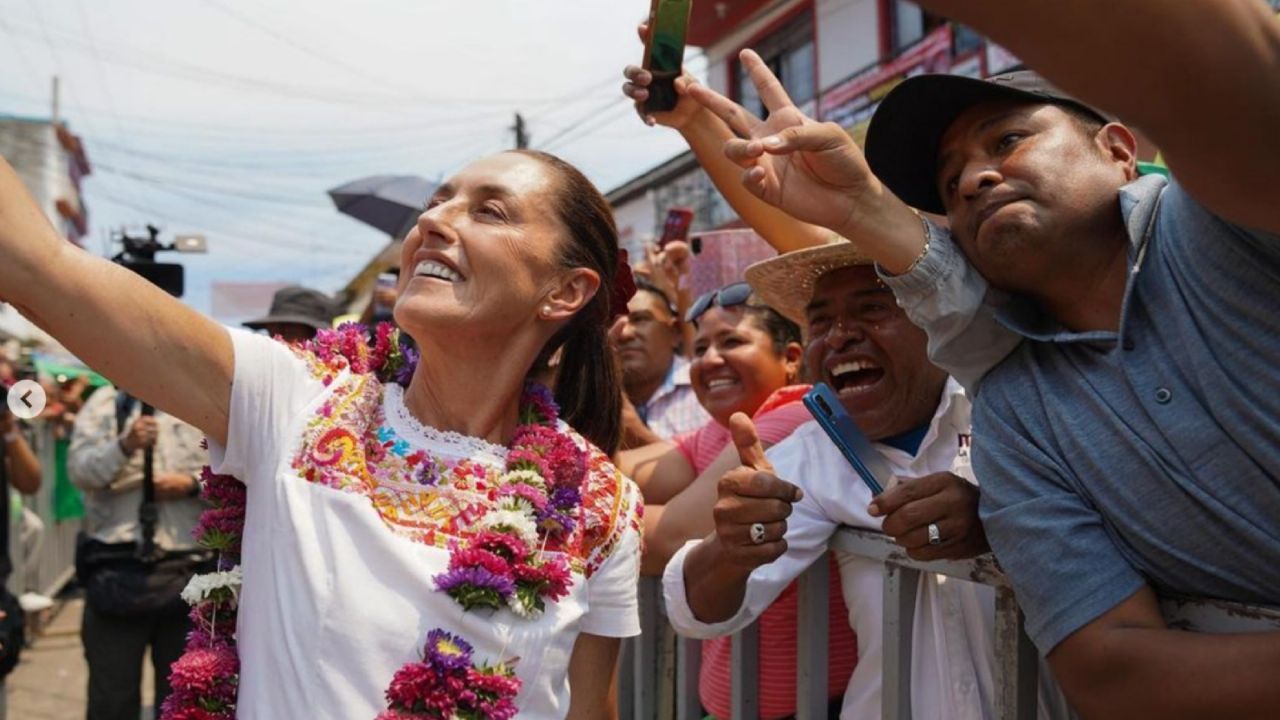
(786, 282)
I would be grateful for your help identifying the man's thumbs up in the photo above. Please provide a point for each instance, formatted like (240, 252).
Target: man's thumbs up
(750, 451)
(751, 512)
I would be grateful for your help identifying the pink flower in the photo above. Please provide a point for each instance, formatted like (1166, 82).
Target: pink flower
(477, 557)
(418, 688)
(211, 673)
(564, 462)
(502, 545)
(222, 490)
(552, 578)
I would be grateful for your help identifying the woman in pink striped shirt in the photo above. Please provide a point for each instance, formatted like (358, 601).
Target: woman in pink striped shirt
(746, 359)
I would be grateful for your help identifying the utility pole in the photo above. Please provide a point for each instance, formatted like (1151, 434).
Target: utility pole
(56, 108)
(522, 136)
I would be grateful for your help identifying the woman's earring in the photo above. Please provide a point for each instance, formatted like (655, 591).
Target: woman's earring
(546, 311)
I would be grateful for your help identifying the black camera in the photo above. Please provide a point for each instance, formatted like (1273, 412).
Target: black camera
(139, 255)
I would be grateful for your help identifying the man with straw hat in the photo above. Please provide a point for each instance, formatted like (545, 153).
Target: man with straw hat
(769, 531)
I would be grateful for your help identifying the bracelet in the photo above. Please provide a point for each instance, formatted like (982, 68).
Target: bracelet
(924, 222)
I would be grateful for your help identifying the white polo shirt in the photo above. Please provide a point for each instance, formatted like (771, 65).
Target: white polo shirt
(953, 648)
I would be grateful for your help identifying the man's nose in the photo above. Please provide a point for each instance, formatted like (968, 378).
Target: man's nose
(845, 330)
(977, 176)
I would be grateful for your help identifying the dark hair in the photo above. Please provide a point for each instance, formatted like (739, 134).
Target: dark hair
(643, 284)
(588, 386)
(781, 330)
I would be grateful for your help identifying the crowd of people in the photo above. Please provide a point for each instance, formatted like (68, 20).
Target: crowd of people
(1063, 361)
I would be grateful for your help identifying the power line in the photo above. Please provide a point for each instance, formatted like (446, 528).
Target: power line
(155, 63)
(97, 65)
(228, 11)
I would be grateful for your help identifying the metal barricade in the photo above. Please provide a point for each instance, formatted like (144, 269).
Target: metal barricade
(1017, 666)
(52, 564)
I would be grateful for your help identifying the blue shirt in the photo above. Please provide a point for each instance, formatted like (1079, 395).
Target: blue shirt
(1108, 459)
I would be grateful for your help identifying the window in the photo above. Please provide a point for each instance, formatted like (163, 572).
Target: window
(789, 53)
(910, 24)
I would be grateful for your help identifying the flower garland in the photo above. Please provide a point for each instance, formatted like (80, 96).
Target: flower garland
(447, 685)
(502, 564)
(537, 499)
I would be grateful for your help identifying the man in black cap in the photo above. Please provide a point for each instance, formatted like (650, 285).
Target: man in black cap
(296, 314)
(1127, 340)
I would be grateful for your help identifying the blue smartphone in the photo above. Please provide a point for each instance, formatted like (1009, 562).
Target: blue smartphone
(870, 465)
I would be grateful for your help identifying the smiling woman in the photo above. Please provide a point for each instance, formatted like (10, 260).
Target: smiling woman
(466, 500)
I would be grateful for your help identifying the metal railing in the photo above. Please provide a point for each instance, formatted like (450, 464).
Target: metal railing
(52, 564)
(646, 670)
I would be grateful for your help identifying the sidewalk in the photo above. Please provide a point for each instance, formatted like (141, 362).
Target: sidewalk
(51, 681)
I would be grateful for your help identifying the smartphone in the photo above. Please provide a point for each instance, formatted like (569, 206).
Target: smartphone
(870, 465)
(679, 220)
(664, 51)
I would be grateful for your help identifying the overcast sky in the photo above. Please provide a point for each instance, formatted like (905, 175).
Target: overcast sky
(231, 118)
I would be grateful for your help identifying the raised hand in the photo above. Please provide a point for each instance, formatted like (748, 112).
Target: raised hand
(812, 171)
(754, 504)
(637, 88)
(944, 500)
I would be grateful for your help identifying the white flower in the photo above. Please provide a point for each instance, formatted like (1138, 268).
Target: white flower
(519, 608)
(513, 503)
(523, 477)
(202, 586)
(512, 521)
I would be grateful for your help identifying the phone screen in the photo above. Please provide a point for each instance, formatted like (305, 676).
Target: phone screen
(664, 52)
(677, 225)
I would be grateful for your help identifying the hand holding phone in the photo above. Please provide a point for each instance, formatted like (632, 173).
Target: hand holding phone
(664, 51)
(826, 408)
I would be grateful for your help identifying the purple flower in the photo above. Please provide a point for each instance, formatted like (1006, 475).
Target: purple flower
(565, 498)
(554, 521)
(446, 652)
(475, 587)
(411, 358)
(538, 406)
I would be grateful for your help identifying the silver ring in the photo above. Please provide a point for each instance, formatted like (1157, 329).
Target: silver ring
(757, 533)
(935, 536)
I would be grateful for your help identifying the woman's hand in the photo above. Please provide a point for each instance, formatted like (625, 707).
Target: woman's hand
(637, 88)
(134, 333)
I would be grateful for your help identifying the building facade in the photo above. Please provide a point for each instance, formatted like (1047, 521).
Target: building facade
(51, 162)
(837, 59)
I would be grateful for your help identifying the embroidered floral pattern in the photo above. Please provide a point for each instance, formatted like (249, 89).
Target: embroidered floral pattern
(514, 526)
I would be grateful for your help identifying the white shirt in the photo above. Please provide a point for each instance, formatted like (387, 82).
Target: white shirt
(340, 554)
(953, 649)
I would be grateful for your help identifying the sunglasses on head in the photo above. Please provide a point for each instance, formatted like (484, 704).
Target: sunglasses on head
(727, 296)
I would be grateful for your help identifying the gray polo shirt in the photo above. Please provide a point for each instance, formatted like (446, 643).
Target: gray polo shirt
(1112, 459)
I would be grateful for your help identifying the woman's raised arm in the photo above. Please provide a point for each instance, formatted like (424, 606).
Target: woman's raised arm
(142, 339)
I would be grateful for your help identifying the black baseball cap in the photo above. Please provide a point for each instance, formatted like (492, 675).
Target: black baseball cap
(907, 128)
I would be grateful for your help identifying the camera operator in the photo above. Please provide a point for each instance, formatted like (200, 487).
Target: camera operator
(132, 604)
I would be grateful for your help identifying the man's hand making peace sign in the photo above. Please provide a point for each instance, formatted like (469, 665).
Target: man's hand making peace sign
(813, 171)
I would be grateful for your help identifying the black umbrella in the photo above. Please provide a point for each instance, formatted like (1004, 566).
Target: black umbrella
(390, 203)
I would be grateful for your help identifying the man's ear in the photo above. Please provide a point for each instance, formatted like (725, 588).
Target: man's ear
(572, 291)
(1119, 144)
